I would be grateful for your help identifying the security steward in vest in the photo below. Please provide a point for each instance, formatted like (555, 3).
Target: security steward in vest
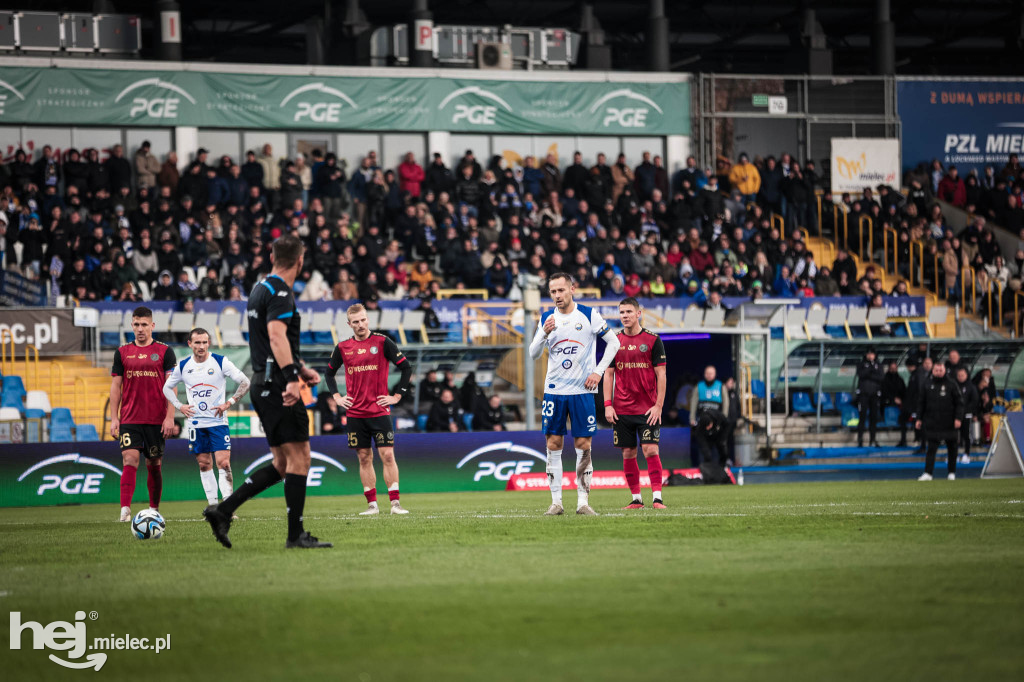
(869, 395)
(940, 415)
(709, 395)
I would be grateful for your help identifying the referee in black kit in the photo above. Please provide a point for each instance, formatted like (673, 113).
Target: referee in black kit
(278, 374)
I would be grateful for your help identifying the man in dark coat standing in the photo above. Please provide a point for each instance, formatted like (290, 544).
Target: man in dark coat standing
(894, 392)
(972, 403)
(919, 376)
(869, 395)
(940, 414)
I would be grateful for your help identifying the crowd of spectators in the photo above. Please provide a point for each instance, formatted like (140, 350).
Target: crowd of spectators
(118, 229)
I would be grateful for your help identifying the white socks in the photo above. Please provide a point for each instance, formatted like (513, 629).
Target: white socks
(225, 481)
(584, 472)
(554, 470)
(209, 480)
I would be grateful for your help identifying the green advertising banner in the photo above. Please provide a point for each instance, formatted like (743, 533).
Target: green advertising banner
(44, 474)
(71, 96)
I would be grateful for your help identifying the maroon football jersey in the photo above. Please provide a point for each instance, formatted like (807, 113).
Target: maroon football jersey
(144, 369)
(636, 387)
(366, 371)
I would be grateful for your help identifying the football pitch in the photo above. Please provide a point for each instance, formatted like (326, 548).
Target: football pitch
(811, 581)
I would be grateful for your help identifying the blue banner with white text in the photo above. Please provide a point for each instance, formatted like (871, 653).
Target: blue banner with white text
(970, 124)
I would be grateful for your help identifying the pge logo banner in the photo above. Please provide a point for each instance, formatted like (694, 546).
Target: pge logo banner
(197, 96)
(971, 124)
(859, 162)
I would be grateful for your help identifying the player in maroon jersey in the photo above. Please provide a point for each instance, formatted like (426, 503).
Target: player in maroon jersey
(638, 378)
(366, 358)
(140, 416)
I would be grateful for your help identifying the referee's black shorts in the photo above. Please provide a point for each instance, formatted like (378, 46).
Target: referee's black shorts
(281, 424)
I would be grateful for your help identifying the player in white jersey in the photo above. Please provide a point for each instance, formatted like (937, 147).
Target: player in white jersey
(205, 377)
(570, 332)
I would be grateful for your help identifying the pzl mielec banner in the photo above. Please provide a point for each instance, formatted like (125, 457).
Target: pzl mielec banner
(967, 123)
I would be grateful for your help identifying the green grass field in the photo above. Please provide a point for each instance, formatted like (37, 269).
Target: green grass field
(813, 581)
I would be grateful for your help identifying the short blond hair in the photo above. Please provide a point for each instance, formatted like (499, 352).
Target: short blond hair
(355, 308)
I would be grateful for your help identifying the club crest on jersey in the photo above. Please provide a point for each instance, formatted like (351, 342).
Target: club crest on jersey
(373, 350)
(154, 357)
(579, 327)
(210, 371)
(643, 347)
(567, 364)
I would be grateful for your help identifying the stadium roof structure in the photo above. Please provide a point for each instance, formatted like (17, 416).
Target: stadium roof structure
(932, 37)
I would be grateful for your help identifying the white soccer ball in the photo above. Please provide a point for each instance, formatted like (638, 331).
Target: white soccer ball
(148, 524)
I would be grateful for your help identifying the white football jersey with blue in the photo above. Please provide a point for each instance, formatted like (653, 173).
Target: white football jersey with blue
(205, 383)
(572, 349)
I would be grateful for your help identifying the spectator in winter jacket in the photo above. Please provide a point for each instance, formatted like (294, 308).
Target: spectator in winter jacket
(146, 166)
(439, 178)
(952, 188)
(410, 175)
(644, 182)
(622, 177)
(445, 413)
(745, 177)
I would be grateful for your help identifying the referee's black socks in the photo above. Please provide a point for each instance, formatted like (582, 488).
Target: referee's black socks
(260, 480)
(295, 498)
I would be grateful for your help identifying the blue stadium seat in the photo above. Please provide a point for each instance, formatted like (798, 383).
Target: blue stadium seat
(86, 432)
(843, 398)
(61, 433)
(757, 388)
(919, 330)
(836, 332)
(802, 403)
(891, 417)
(899, 330)
(14, 384)
(12, 400)
(1011, 394)
(421, 422)
(467, 421)
(34, 425)
(61, 416)
(849, 416)
(825, 400)
(999, 409)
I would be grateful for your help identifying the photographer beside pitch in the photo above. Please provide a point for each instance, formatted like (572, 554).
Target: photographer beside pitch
(570, 334)
(278, 375)
(205, 377)
(634, 394)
